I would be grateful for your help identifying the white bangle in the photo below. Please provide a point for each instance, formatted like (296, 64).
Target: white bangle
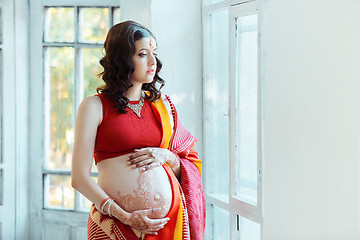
(109, 212)
(102, 207)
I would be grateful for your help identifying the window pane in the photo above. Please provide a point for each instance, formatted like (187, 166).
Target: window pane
(1, 186)
(249, 230)
(221, 224)
(116, 15)
(60, 64)
(85, 204)
(217, 109)
(59, 24)
(247, 106)
(93, 167)
(91, 68)
(59, 193)
(94, 24)
(0, 25)
(1, 121)
(211, 1)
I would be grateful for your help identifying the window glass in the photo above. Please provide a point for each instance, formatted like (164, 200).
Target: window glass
(1, 186)
(116, 15)
(60, 65)
(71, 68)
(221, 223)
(1, 146)
(93, 24)
(249, 230)
(0, 26)
(85, 204)
(59, 24)
(247, 109)
(90, 70)
(1, 89)
(58, 192)
(217, 118)
(211, 1)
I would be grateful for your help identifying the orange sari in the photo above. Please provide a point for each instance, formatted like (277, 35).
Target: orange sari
(187, 211)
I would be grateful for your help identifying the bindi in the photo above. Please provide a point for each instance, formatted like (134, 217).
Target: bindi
(152, 43)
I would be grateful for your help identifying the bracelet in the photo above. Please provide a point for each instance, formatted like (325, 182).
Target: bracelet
(108, 210)
(102, 207)
(103, 201)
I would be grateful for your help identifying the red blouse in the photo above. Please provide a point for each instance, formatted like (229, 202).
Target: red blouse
(119, 133)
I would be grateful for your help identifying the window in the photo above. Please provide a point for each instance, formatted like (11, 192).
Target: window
(232, 120)
(1, 133)
(73, 38)
(10, 107)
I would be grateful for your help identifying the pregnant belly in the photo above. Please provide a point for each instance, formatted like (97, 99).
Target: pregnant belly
(133, 189)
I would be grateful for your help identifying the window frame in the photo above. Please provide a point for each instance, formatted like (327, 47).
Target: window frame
(236, 207)
(71, 221)
(78, 85)
(8, 122)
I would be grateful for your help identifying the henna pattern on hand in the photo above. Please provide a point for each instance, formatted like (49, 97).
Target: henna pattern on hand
(137, 222)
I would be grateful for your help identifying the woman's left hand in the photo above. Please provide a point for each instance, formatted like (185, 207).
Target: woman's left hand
(147, 158)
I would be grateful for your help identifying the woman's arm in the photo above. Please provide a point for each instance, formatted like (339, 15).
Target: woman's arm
(88, 118)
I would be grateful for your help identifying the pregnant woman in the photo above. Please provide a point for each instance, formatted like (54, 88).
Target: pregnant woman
(149, 184)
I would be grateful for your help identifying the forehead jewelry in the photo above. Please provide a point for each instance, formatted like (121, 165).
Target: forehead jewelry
(136, 108)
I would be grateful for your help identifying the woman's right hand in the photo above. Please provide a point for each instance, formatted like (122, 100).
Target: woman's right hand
(139, 220)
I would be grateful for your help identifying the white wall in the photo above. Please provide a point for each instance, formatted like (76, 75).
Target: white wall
(177, 27)
(311, 182)
(139, 11)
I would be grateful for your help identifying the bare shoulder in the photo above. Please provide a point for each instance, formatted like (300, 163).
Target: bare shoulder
(91, 107)
(92, 102)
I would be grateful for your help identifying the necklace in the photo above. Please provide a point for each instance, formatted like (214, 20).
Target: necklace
(136, 108)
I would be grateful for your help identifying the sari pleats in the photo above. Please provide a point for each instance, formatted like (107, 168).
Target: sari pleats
(194, 197)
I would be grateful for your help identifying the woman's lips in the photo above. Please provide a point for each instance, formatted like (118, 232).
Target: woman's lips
(152, 71)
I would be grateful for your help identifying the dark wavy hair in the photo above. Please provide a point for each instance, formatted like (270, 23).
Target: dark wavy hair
(118, 66)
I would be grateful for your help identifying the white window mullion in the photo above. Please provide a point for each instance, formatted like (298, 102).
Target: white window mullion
(245, 210)
(111, 17)
(79, 83)
(261, 69)
(232, 103)
(37, 121)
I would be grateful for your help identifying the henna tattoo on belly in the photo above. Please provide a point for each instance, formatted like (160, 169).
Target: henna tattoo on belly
(147, 194)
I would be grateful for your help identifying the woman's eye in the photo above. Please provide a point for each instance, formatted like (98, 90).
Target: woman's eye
(155, 54)
(142, 54)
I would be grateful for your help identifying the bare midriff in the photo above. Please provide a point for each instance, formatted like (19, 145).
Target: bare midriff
(133, 189)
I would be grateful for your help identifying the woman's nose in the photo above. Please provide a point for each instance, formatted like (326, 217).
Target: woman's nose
(152, 60)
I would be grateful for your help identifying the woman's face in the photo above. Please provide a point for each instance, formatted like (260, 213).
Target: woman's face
(144, 61)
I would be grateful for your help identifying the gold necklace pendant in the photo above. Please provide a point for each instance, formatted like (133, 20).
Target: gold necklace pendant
(136, 108)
